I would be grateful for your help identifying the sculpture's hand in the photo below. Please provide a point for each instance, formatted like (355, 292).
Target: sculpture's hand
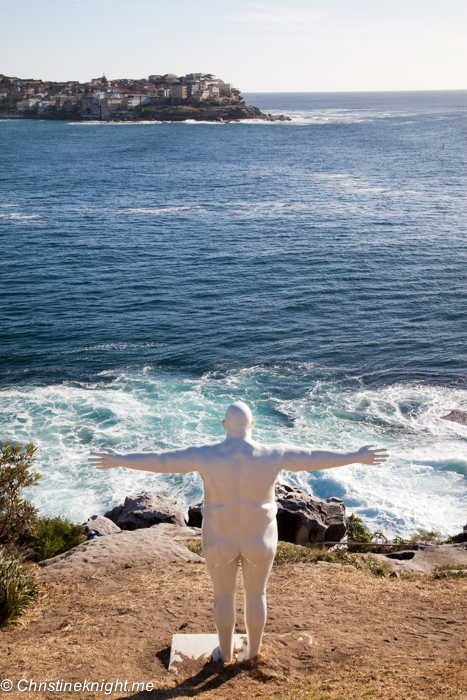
(369, 454)
(105, 460)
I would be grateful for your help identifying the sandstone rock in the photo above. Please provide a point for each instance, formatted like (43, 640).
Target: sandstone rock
(102, 525)
(425, 558)
(456, 417)
(301, 518)
(462, 536)
(304, 519)
(121, 550)
(195, 515)
(144, 510)
(178, 533)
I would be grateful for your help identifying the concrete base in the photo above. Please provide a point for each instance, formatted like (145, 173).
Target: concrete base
(197, 646)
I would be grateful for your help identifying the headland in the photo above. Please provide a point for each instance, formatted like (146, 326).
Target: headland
(167, 98)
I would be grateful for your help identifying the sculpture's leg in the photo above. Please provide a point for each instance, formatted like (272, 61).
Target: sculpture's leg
(255, 579)
(224, 579)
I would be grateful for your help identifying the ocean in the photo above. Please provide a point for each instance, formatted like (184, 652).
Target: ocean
(317, 269)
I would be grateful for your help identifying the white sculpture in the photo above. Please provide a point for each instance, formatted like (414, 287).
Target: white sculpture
(239, 514)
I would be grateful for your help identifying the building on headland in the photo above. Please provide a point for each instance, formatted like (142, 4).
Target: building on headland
(178, 90)
(101, 98)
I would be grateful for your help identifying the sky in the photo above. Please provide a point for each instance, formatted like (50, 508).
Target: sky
(271, 46)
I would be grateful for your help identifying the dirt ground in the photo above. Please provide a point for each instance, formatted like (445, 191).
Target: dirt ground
(332, 633)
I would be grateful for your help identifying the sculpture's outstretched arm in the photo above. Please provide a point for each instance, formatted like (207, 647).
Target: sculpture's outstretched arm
(175, 461)
(302, 459)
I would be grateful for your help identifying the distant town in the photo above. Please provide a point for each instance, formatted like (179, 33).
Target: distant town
(199, 96)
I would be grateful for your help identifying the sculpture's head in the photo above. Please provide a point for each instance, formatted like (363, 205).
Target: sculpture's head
(238, 420)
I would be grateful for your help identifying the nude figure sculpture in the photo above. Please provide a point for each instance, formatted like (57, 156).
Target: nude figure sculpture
(239, 514)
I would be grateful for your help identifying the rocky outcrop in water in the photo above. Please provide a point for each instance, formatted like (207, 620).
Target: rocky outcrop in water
(212, 114)
(456, 417)
(301, 518)
(144, 510)
(462, 536)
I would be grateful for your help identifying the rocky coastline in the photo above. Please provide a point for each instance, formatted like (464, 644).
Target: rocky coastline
(224, 114)
(148, 528)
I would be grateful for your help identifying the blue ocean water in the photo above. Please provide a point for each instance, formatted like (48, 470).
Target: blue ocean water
(151, 273)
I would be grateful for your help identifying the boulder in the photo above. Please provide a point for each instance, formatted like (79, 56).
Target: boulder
(195, 515)
(178, 533)
(145, 510)
(462, 536)
(301, 518)
(102, 525)
(304, 519)
(456, 417)
(424, 557)
(122, 550)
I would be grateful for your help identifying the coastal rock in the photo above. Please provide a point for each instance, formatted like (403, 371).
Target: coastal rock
(175, 532)
(102, 525)
(304, 519)
(121, 550)
(214, 114)
(143, 510)
(456, 417)
(195, 515)
(462, 536)
(301, 518)
(425, 558)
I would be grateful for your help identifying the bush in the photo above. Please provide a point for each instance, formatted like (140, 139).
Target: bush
(54, 536)
(17, 515)
(357, 532)
(434, 536)
(17, 588)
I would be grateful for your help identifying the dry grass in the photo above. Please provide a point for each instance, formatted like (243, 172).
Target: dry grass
(371, 637)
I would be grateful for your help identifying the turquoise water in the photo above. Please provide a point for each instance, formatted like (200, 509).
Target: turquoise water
(152, 273)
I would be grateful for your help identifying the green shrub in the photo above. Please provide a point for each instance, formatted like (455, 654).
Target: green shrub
(17, 515)
(54, 536)
(17, 588)
(357, 532)
(434, 536)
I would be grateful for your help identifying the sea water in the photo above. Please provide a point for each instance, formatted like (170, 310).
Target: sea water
(152, 273)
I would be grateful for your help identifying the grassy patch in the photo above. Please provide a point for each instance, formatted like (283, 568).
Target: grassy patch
(451, 567)
(288, 553)
(450, 571)
(194, 546)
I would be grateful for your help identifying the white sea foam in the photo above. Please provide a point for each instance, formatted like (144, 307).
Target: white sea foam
(14, 216)
(422, 485)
